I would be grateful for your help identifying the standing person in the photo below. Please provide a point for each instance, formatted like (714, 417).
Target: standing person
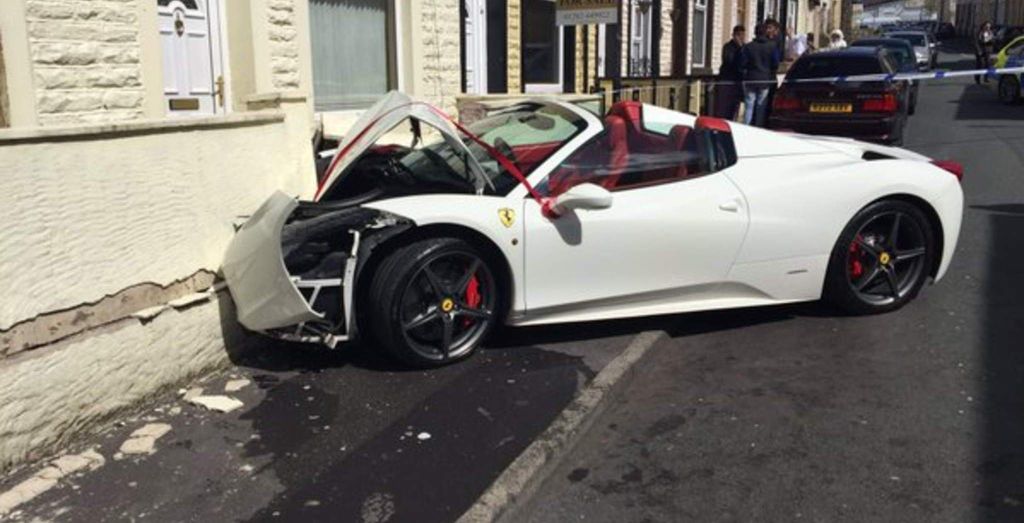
(728, 90)
(836, 40)
(759, 63)
(984, 43)
(811, 46)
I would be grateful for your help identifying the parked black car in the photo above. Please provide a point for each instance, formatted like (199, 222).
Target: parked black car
(902, 55)
(867, 110)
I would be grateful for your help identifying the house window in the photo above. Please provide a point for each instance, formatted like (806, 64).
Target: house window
(640, 39)
(353, 52)
(542, 47)
(700, 31)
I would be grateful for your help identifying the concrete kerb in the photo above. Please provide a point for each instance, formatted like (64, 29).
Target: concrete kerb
(520, 480)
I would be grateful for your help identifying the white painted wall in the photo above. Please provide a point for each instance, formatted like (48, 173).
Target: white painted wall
(93, 214)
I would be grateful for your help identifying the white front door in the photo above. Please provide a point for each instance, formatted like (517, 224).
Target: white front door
(190, 38)
(476, 46)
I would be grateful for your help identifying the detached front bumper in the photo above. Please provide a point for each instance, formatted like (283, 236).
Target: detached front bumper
(267, 298)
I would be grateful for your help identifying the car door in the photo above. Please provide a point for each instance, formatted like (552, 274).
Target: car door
(670, 235)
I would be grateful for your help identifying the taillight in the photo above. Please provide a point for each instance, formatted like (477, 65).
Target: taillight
(886, 104)
(954, 168)
(785, 102)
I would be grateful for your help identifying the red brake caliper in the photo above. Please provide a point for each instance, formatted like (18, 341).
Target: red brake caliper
(856, 267)
(473, 297)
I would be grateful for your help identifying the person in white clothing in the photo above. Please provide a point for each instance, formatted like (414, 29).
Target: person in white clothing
(836, 40)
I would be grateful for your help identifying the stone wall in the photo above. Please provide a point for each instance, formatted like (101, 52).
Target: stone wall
(284, 47)
(515, 63)
(440, 53)
(85, 60)
(665, 42)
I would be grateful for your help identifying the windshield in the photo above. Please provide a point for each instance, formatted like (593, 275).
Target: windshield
(527, 134)
(915, 39)
(900, 53)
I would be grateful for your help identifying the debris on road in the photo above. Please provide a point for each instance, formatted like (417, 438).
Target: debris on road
(423, 436)
(194, 392)
(236, 385)
(217, 403)
(143, 440)
(47, 478)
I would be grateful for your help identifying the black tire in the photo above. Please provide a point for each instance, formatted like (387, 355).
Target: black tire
(852, 282)
(401, 295)
(1009, 90)
(913, 102)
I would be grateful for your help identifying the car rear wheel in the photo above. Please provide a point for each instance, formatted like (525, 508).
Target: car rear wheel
(881, 259)
(1009, 90)
(433, 302)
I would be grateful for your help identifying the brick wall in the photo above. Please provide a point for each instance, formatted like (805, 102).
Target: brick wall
(284, 47)
(515, 84)
(665, 42)
(442, 52)
(85, 60)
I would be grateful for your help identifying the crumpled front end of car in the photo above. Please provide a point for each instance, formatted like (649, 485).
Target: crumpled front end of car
(292, 267)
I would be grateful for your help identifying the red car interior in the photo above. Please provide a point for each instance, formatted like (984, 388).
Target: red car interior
(625, 136)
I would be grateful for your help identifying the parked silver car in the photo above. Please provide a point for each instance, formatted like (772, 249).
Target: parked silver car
(925, 48)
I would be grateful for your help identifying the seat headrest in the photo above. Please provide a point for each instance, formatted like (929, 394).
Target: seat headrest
(616, 126)
(630, 111)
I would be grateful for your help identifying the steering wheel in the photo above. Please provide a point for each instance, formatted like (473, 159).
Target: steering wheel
(504, 148)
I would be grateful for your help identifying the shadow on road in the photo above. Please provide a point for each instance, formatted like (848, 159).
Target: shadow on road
(979, 102)
(1001, 449)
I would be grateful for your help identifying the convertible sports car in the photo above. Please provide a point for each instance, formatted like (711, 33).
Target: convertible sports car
(544, 212)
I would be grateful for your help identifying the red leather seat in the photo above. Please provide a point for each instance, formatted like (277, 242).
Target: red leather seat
(618, 150)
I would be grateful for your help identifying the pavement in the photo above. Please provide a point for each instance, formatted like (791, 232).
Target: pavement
(320, 435)
(783, 413)
(793, 413)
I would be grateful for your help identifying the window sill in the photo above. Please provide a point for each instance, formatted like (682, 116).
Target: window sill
(91, 131)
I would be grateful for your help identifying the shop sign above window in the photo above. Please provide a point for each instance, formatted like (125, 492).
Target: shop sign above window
(584, 12)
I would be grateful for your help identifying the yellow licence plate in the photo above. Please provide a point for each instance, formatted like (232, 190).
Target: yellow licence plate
(831, 108)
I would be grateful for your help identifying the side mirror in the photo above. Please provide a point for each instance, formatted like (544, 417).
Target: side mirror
(583, 196)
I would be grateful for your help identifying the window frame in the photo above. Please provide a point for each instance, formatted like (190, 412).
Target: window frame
(392, 43)
(701, 6)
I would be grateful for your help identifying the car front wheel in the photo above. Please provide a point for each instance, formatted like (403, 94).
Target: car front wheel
(1009, 90)
(433, 302)
(881, 259)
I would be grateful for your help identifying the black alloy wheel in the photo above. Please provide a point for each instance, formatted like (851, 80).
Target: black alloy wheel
(433, 302)
(882, 259)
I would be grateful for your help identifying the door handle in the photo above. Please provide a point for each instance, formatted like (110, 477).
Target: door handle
(730, 206)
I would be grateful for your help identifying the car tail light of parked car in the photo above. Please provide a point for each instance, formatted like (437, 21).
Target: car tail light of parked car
(955, 168)
(885, 104)
(785, 101)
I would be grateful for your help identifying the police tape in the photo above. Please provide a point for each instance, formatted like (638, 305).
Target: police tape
(892, 77)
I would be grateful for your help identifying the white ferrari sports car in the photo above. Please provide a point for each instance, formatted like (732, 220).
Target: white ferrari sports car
(545, 212)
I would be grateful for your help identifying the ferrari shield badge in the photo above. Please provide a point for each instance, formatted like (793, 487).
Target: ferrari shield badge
(507, 216)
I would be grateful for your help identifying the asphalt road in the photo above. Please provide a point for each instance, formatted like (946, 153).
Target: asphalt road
(342, 436)
(792, 413)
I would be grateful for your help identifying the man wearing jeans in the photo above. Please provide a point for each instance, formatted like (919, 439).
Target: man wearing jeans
(759, 62)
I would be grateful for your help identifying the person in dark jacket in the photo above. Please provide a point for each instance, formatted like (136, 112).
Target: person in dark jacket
(728, 91)
(759, 65)
(984, 46)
